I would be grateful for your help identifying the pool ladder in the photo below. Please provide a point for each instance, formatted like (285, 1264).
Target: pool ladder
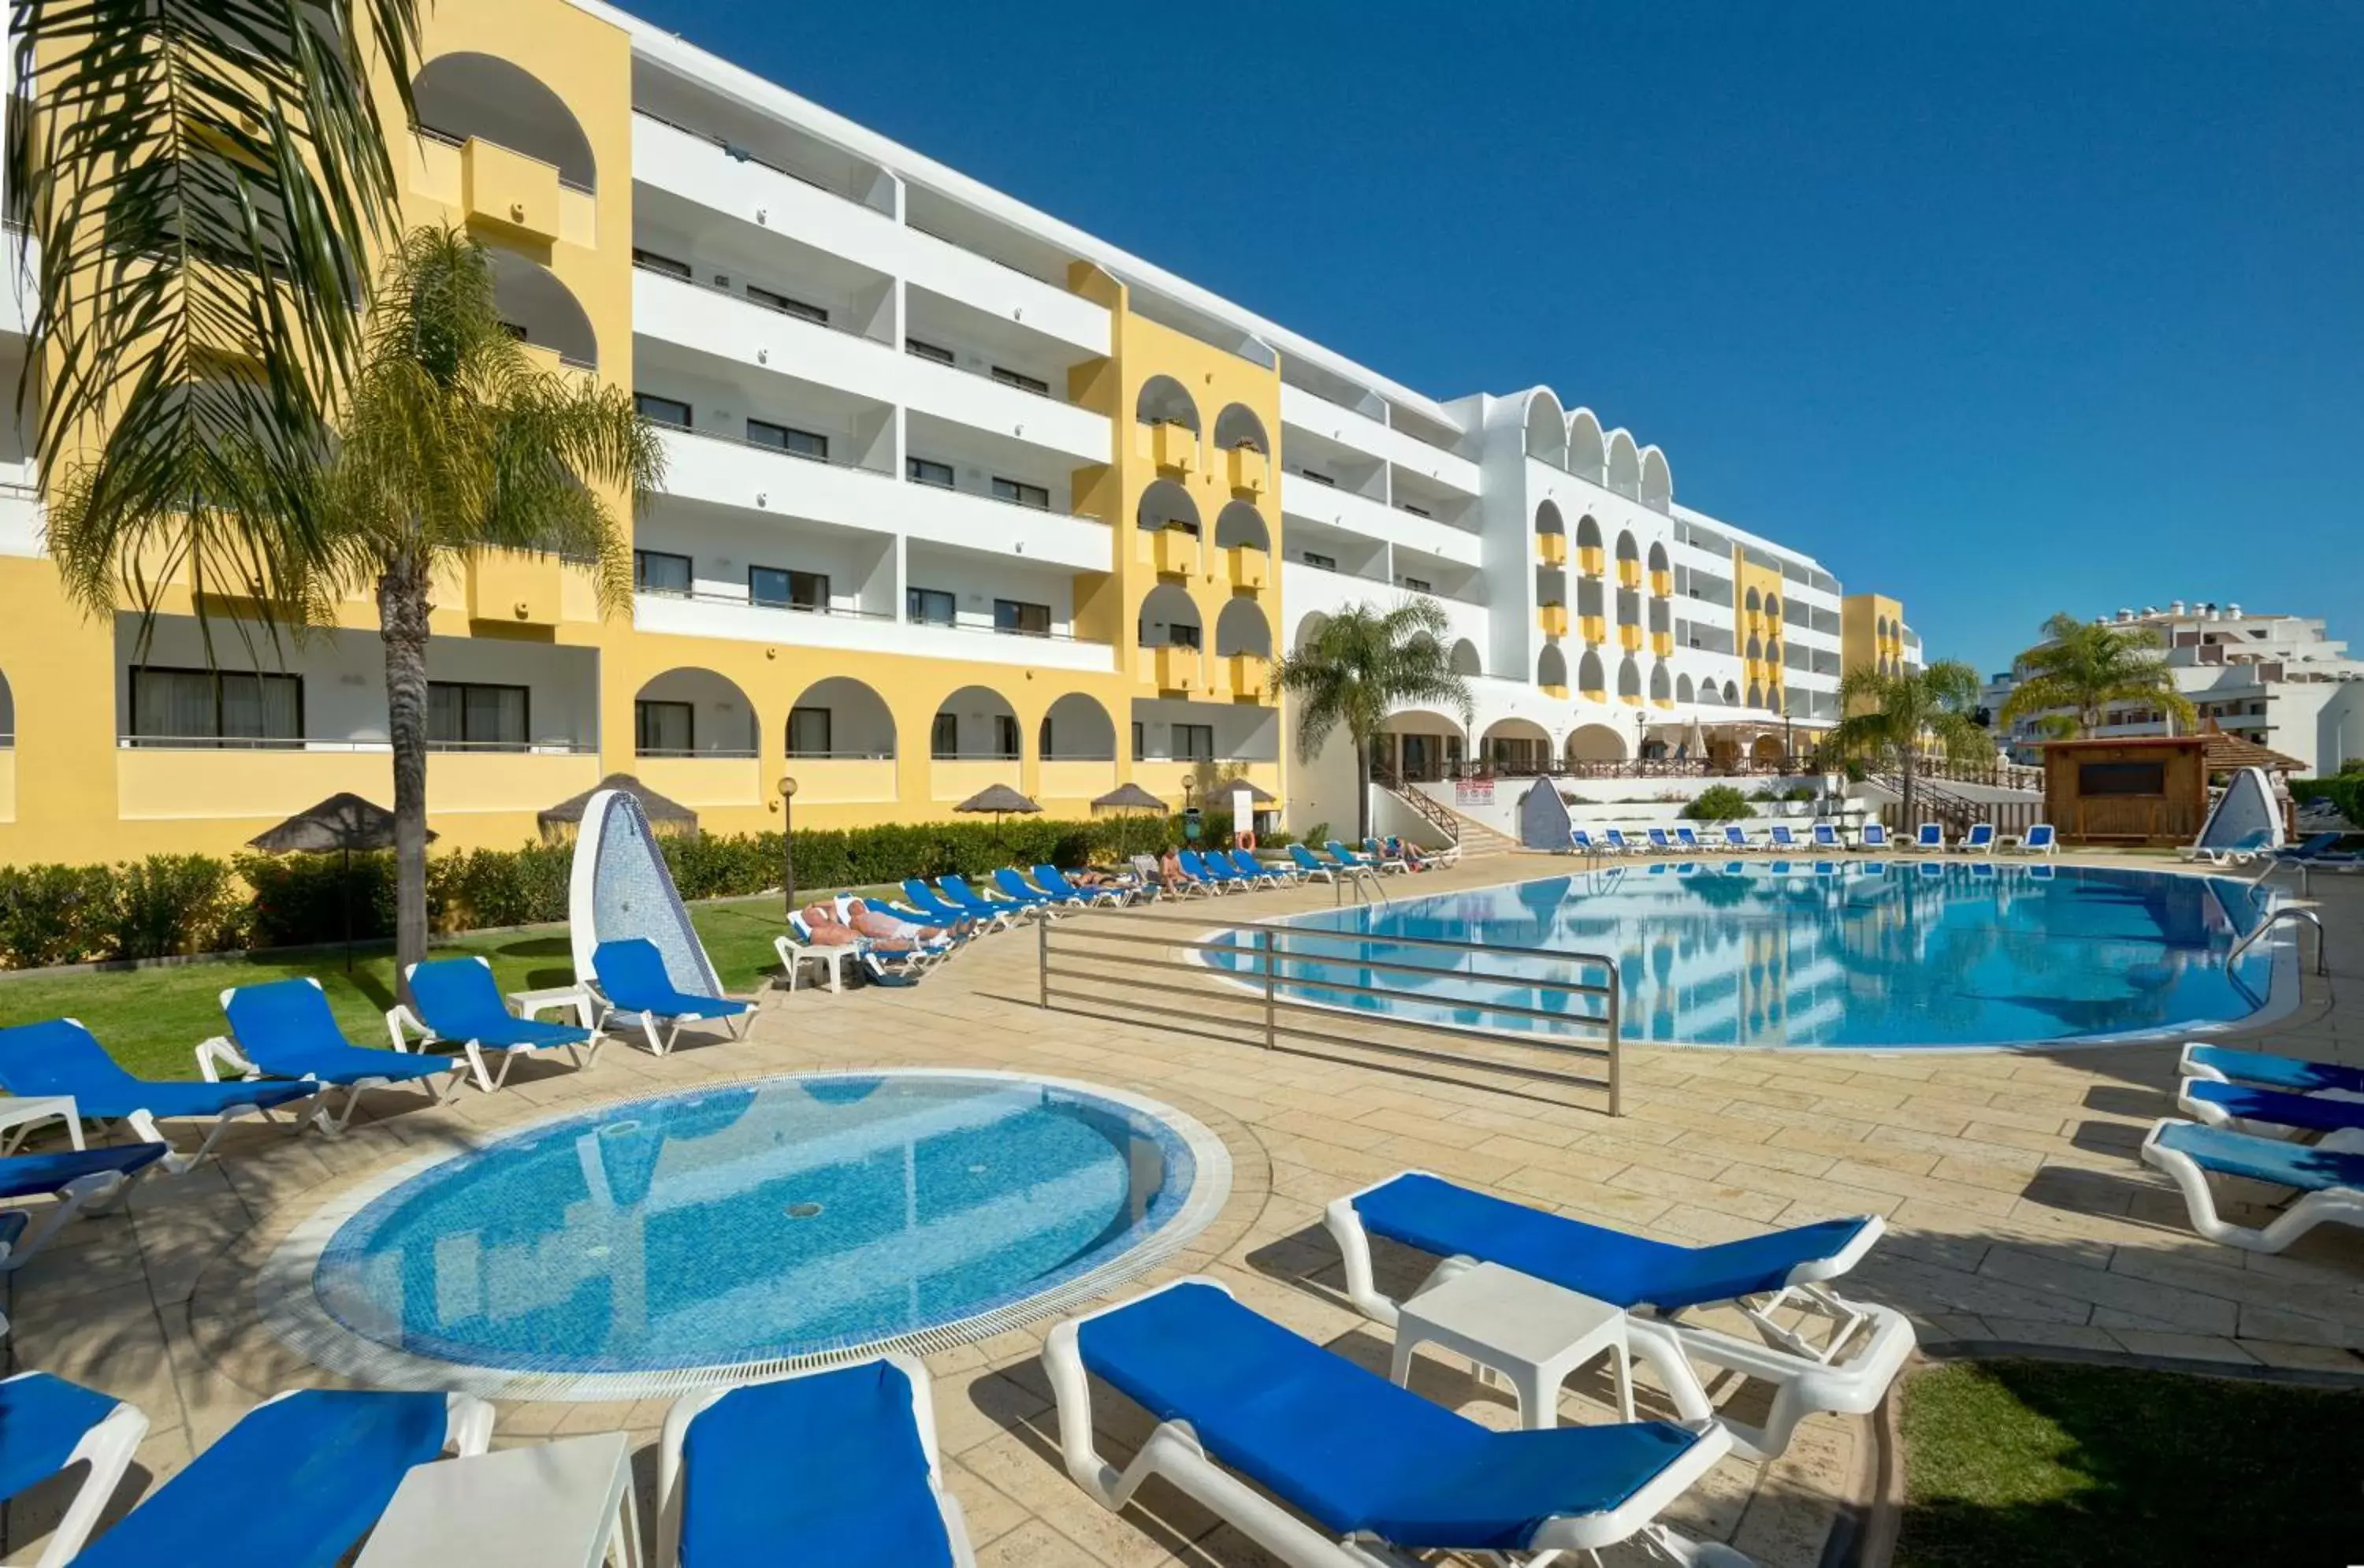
(1366, 882)
(2276, 918)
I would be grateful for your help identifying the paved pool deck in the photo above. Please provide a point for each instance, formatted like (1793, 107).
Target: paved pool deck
(2017, 1213)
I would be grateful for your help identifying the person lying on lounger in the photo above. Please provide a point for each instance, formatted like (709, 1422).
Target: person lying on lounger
(879, 926)
(1398, 850)
(829, 932)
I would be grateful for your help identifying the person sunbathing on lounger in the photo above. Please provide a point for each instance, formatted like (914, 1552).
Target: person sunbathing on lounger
(829, 931)
(878, 925)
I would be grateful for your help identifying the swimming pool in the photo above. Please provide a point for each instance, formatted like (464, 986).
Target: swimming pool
(723, 1232)
(1822, 954)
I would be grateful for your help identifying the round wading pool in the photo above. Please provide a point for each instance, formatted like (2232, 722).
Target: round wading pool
(731, 1230)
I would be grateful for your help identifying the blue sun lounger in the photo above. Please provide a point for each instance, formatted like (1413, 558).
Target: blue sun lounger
(2329, 1182)
(1013, 885)
(926, 904)
(1380, 1473)
(283, 1029)
(1735, 836)
(1980, 840)
(1873, 836)
(1845, 1369)
(2289, 1073)
(1660, 839)
(633, 978)
(455, 1001)
(1688, 839)
(47, 1427)
(76, 1178)
(1927, 838)
(835, 1466)
(1247, 866)
(1311, 869)
(1827, 837)
(961, 895)
(295, 1484)
(2270, 1113)
(1782, 838)
(59, 1056)
(1586, 844)
(1053, 881)
(1222, 877)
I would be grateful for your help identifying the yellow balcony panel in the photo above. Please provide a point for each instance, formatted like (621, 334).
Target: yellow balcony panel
(1629, 574)
(1174, 668)
(1558, 692)
(1553, 618)
(842, 780)
(578, 218)
(1662, 584)
(1251, 676)
(1628, 638)
(1591, 695)
(508, 191)
(1552, 548)
(166, 784)
(707, 780)
(1631, 699)
(1590, 560)
(8, 784)
(1662, 643)
(1662, 702)
(1251, 568)
(1171, 553)
(1173, 448)
(1076, 779)
(435, 171)
(1596, 630)
(1251, 472)
(954, 779)
(514, 589)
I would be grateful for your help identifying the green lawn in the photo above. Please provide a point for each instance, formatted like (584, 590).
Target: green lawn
(2047, 1464)
(151, 1020)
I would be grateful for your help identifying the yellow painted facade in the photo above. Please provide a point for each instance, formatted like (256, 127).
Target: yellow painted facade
(71, 790)
(1758, 593)
(1871, 633)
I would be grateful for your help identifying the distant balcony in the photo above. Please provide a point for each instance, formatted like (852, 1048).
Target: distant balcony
(1172, 448)
(1662, 643)
(1629, 574)
(1251, 676)
(1170, 552)
(843, 779)
(1558, 692)
(1595, 630)
(1074, 778)
(1552, 548)
(709, 779)
(1591, 560)
(1172, 669)
(1251, 472)
(1553, 619)
(957, 778)
(1250, 568)
(514, 589)
(157, 778)
(1662, 584)
(1210, 779)
(508, 191)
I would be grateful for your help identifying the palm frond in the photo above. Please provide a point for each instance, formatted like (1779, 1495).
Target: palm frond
(1364, 664)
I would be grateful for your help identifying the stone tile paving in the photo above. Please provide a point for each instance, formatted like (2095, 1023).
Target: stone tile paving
(2017, 1213)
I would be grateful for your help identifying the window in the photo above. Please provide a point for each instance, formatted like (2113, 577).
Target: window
(1180, 636)
(1004, 735)
(1314, 558)
(809, 732)
(1194, 742)
(929, 606)
(1419, 585)
(781, 588)
(1021, 381)
(928, 351)
(659, 410)
(656, 264)
(664, 729)
(654, 571)
(1024, 495)
(1140, 741)
(466, 714)
(943, 738)
(780, 438)
(1317, 478)
(1021, 619)
(920, 470)
(787, 307)
(203, 704)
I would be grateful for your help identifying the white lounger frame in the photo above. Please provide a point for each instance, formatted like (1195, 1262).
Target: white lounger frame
(689, 1406)
(219, 1052)
(143, 1125)
(2332, 1206)
(93, 1191)
(402, 1024)
(1173, 1451)
(1846, 1370)
(662, 1043)
(107, 1447)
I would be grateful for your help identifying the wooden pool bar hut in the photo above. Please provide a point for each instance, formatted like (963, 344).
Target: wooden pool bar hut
(2148, 789)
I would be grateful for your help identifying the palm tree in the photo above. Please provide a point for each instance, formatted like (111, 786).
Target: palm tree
(1890, 718)
(1363, 666)
(197, 183)
(456, 443)
(2084, 666)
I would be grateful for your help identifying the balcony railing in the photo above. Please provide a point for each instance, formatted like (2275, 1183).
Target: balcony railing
(1045, 394)
(794, 755)
(741, 155)
(301, 743)
(720, 753)
(833, 325)
(744, 596)
(454, 138)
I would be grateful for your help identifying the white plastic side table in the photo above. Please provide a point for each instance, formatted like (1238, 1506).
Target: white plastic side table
(1533, 1332)
(531, 1004)
(566, 1504)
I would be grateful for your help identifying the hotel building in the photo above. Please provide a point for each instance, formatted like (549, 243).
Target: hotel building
(955, 494)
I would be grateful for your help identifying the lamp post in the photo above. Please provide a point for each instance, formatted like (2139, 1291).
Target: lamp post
(788, 842)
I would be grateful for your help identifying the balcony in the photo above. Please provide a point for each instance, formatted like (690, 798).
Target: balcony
(7, 781)
(842, 780)
(1172, 669)
(1172, 448)
(1557, 693)
(1251, 472)
(1074, 778)
(1552, 548)
(1595, 630)
(1662, 584)
(507, 190)
(1251, 676)
(1170, 552)
(1553, 619)
(1369, 517)
(957, 778)
(1629, 574)
(1350, 427)
(1662, 643)
(514, 589)
(1251, 568)
(709, 780)
(1628, 638)
(158, 781)
(1591, 561)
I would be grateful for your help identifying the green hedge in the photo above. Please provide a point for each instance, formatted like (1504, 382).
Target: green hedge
(182, 903)
(1718, 803)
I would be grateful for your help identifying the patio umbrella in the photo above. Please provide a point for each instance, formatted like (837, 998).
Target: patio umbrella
(1130, 797)
(339, 825)
(998, 799)
(661, 811)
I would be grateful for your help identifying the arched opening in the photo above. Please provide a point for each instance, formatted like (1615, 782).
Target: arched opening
(1591, 678)
(1595, 743)
(1684, 690)
(692, 713)
(841, 717)
(1772, 651)
(1169, 619)
(1756, 695)
(1773, 607)
(1237, 426)
(1752, 601)
(975, 724)
(1165, 504)
(1077, 730)
(1755, 648)
(1164, 401)
(1464, 659)
(1629, 679)
(1657, 480)
(1308, 630)
(1624, 465)
(1237, 524)
(1709, 696)
(1658, 564)
(1662, 684)
(1766, 749)
(7, 714)
(1588, 538)
(1731, 692)
(542, 311)
(1551, 668)
(1627, 550)
(1587, 452)
(463, 96)
(1548, 522)
(1515, 746)
(1420, 744)
(1547, 428)
(1240, 628)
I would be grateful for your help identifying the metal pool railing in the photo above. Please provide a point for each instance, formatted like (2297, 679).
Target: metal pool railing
(1169, 970)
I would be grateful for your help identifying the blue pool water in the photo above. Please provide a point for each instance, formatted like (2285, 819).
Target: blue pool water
(1807, 954)
(754, 1221)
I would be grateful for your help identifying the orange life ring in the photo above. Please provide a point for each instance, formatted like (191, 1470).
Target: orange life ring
(1245, 840)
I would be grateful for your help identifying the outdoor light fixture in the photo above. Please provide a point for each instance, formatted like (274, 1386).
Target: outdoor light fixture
(788, 842)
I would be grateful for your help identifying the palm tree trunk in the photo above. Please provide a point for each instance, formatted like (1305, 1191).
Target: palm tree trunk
(1362, 788)
(1904, 776)
(402, 615)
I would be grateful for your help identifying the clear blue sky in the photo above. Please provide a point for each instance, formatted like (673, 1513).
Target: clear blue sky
(2004, 309)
